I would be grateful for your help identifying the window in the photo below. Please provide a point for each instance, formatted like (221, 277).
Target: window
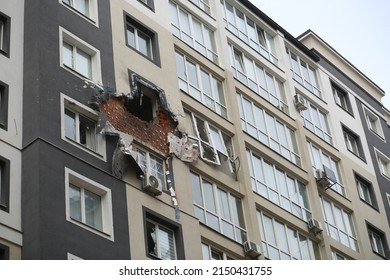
(3, 106)
(303, 73)
(378, 241)
(142, 39)
(258, 79)
(4, 34)
(4, 184)
(319, 158)
(89, 204)
(366, 191)
(151, 164)
(339, 224)
(341, 98)
(201, 85)
(217, 208)
(80, 127)
(203, 4)
(316, 121)
(373, 123)
(4, 252)
(268, 130)
(193, 32)
(384, 164)
(353, 143)
(215, 146)
(275, 185)
(86, 8)
(281, 242)
(338, 257)
(79, 57)
(163, 238)
(249, 32)
(211, 253)
(148, 3)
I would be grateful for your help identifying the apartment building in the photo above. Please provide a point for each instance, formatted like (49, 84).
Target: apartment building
(183, 129)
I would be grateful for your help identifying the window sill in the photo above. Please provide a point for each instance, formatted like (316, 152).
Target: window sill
(84, 148)
(91, 229)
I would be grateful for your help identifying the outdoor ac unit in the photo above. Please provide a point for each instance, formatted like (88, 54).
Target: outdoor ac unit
(251, 249)
(152, 185)
(314, 226)
(326, 177)
(300, 102)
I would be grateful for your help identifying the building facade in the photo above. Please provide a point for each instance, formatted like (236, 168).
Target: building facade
(184, 130)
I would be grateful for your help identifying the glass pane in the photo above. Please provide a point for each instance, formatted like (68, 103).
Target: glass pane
(67, 55)
(82, 6)
(238, 214)
(131, 36)
(166, 244)
(70, 125)
(196, 190)
(75, 202)
(209, 196)
(93, 209)
(224, 204)
(83, 64)
(87, 130)
(192, 74)
(205, 252)
(144, 44)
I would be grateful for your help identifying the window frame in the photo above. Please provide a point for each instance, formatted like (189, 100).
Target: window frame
(139, 28)
(341, 98)
(378, 241)
(4, 252)
(316, 120)
(217, 214)
(275, 238)
(5, 34)
(4, 105)
(176, 228)
(148, 3)
(194, 73)
(5, 173)
(383, 163)
(74, 106)
(309, 80)
(372, 118)
(292, 198)
(204, 43)
(208, 251)
(268, 129)
(148, 156)
(366, 191)
(77, 43)
(353, 142)
(82, 182)
(238, 23)
(91, 16)
(258, 79)
(334, 229)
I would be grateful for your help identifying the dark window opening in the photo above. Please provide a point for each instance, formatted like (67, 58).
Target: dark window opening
(4, 184)
(3, 106)
(141, 106)
(4, 252)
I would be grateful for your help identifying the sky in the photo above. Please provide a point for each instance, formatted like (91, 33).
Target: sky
(359, 30)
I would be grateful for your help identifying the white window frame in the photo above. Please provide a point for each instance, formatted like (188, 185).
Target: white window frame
(309, 79)
(268, 130)
(203, 42)
(373, 123)
(352, 143)
(192, 81)
(157, 240)
(383, 163)
(338, 223)
(137, 33)
(215, 142)
(78, 108)
(249, 32)
(365, 190)
(282, 242)
(208, 253)
(258, 79)
(328, 161)
(376, 241)
(91, 16)
(316, 121)
(77, 43)
(204, 5)
(82, 182)
(218, 214)
(73, 257)
(283, 190)
(147, 166)
(338, 257)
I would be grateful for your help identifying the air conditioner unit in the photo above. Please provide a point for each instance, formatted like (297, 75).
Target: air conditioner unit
(314, 226)
(152, 184)
(251, 249)
(300, 102)
(326, 177)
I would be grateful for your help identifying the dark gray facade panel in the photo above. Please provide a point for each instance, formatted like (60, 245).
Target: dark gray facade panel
(47, 233)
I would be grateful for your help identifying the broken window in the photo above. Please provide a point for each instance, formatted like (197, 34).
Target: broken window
(215, 146)
(161, 241)
(141, 106)
(80, 128)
